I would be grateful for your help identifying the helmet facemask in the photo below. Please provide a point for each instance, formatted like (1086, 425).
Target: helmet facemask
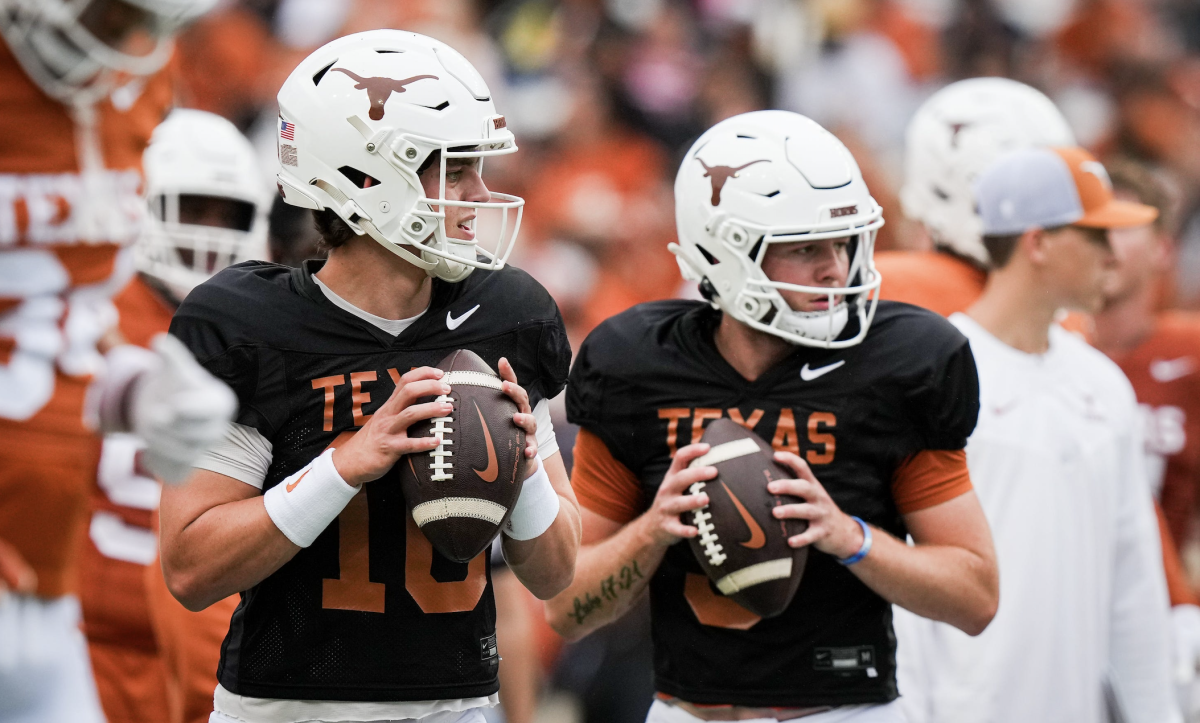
(760, 304)
(77, 49)
(182, 251)
(452, 258)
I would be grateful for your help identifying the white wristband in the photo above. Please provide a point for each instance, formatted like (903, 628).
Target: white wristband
(536, 508)
(303, 505)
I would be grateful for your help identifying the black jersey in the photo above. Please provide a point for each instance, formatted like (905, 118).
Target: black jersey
(646, 382)
(370, 611)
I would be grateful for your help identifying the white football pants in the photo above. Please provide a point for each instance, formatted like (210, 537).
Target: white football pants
(661, 712)
(45, 674)
(474, 715)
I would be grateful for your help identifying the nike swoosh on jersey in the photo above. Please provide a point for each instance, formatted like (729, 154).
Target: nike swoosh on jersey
(292, 485)
(1168, 370)
(487, 474)
(757, 537)
(810, 374)
(452, 323)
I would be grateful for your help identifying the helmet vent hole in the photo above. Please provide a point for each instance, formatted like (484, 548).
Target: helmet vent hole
(772, 194)
(440, 106)
(358, 178)
(321, 73)
(381, 52)
(712, 260)
(754, 249)
(941, 194)
(749, 138)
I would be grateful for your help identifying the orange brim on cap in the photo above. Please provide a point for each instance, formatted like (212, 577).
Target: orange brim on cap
(1100, 209)
(1119, 214)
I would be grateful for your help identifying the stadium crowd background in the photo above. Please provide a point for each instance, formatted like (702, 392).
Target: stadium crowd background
(605, 96)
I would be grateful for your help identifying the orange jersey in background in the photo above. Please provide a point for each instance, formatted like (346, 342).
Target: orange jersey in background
(1165, 372)
(154, 660)
(126, 657)
(62, 232)
(930, 279)
(190, 645)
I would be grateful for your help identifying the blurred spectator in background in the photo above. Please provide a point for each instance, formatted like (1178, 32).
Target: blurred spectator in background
(1159, 350)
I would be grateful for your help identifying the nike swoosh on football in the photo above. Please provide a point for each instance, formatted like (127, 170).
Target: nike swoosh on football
(810, 374)
(1168, 370)
(292, 485)
(757, 537)
(452, 323)
(487, 474)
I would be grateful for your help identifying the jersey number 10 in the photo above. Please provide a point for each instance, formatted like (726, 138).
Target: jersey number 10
(353, 588)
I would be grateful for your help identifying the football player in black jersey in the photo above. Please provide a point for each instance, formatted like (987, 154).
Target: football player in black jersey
(874, 401)
(347, 612)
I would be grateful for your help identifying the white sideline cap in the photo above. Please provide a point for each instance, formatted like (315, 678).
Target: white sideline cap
(1051, 187)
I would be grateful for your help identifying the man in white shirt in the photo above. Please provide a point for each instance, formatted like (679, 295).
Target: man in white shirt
(1082, 631)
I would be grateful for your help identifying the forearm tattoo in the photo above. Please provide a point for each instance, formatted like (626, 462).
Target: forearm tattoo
(610, 591)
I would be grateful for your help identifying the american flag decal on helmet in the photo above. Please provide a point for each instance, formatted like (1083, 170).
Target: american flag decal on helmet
(287, 131)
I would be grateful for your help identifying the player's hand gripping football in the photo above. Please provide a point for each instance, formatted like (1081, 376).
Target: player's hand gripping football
(523, 418)
(384, 439)
(673, 499)
(829, 529)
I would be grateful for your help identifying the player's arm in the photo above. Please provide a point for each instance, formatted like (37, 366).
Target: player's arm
(545, 564)
(541, 540)
(618, 559)
(220, 535)
(950, 574)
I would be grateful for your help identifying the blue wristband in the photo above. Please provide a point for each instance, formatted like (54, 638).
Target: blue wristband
(866, 546)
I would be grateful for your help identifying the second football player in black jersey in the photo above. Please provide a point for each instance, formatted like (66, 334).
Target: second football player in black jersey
(347, 611)
(870, 406)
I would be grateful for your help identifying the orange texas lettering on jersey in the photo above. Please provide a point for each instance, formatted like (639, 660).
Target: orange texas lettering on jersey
(785, 438)
(61, 229)
(330, 386)
(70, 200)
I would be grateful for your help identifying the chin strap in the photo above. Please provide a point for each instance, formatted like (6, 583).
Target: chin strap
(345, 202)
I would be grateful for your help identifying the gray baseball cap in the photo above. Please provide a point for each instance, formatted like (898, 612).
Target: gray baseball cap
(1050, 187)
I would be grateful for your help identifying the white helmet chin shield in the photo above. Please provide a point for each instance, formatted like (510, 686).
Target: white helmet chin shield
(58, 45)
(207, 199)
(358, 119)
(954, 136)
(770, 177)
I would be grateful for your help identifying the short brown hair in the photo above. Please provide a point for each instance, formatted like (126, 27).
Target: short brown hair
(1149, 186)
(332, 229)
(1000, 248)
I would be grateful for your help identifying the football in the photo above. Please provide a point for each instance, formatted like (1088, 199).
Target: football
(741, 546)
(462, 492)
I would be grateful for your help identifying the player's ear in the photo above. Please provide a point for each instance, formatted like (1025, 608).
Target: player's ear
(1034, 245)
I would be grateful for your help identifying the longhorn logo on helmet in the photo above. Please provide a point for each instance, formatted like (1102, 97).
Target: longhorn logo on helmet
(719, 175)
(380, 89)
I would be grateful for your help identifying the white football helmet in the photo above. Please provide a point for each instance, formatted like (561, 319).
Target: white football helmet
(75, 49)
(360, 116)
(199, 164)
(775, 177)
(954, 136)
